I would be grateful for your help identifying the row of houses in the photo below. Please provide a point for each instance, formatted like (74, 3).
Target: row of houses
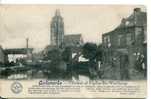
(125, 47)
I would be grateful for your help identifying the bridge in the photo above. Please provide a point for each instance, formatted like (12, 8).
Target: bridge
(18, 51)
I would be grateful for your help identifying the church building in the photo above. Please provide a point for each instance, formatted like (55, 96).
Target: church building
(57, 30)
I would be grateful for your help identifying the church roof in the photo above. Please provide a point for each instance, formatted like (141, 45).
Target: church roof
(73, 39)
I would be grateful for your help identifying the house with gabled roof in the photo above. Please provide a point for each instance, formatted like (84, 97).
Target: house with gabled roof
(126, 43)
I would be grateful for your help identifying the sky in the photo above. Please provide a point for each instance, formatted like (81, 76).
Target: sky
(18, 22)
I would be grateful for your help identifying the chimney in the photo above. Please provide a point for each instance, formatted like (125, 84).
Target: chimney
(137, 9)
(27, 40)
(123, 20)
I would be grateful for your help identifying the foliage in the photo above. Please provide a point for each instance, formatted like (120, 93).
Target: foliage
(54, 55)
(99, 53)
(89, 51)
(67, 54)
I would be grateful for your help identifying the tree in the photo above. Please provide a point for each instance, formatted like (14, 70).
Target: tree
(99, 53)
(67, 55)
(54, 55)
(94, 53)
(89, 51)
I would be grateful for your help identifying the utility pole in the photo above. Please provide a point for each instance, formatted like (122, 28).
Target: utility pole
(27, 47)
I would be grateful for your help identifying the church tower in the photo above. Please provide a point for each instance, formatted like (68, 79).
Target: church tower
(57, 29)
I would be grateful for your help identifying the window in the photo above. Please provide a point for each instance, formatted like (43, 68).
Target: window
(139, 35)
(127, 23)
(128, 39)
(108, 41)
(145, 34)
(104, 40)
(138, 31)
(119, 39)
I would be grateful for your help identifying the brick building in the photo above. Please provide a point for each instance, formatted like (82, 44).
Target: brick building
(126, 45)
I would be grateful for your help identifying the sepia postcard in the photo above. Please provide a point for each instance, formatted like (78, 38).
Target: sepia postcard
(73, 51)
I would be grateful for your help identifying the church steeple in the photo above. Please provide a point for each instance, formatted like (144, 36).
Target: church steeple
(57, 29)
(57, 13)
